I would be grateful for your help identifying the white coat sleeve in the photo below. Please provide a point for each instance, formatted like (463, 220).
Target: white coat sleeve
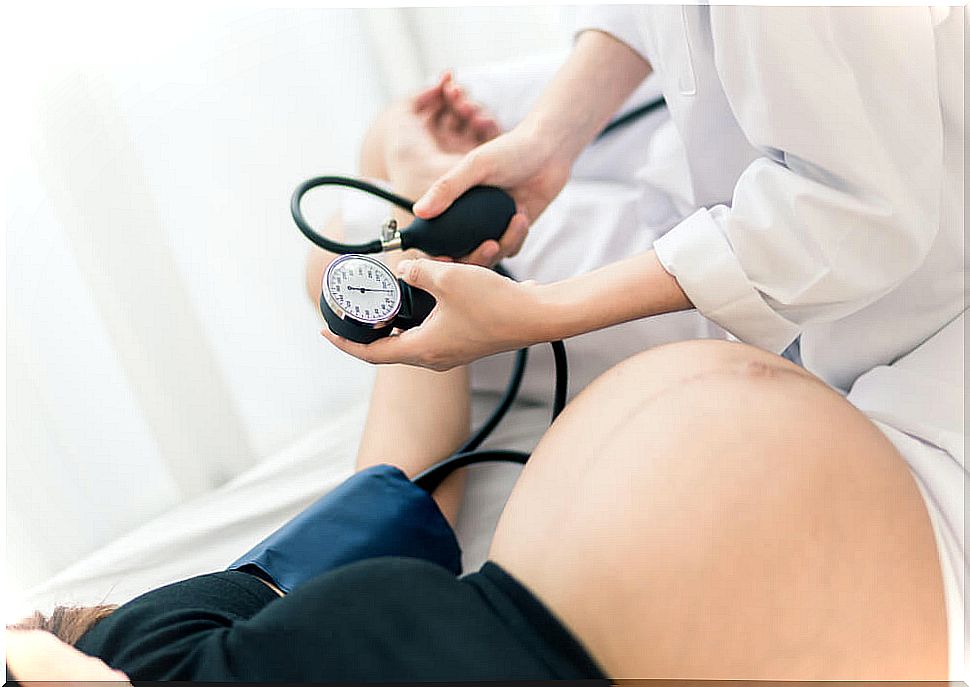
(843, 205)
(620, 21)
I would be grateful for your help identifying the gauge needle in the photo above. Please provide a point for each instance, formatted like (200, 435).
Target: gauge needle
(362, 289)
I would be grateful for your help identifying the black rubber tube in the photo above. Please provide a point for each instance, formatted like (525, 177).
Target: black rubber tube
(349, 182)
(430, 479)
(632, 116)
(508, 398)
(562, 378)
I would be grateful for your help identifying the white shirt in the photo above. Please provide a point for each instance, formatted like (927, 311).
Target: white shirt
(825, 152)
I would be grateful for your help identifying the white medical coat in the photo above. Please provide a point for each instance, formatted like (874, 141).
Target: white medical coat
(825, 152)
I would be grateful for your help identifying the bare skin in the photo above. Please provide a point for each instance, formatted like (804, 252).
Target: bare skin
(706, 510)
(38, 658)
(418, 417)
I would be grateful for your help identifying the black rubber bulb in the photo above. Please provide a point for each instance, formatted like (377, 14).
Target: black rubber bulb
(481, 213)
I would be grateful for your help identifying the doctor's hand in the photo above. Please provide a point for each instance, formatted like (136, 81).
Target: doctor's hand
(533, 160)
(529, 166)
(478, 313)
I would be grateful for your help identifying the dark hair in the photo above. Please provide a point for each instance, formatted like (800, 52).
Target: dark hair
(67, 623)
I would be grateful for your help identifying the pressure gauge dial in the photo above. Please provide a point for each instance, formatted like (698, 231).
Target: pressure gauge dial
(362, 300)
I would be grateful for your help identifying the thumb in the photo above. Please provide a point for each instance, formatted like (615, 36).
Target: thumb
(468, 172)
(422, 273)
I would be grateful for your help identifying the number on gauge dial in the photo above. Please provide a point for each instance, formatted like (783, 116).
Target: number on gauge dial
(364, 289)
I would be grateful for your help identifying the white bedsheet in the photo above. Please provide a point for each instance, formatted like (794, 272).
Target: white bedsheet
(208, 533)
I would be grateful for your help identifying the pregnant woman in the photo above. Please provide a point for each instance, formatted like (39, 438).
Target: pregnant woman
(702, 510)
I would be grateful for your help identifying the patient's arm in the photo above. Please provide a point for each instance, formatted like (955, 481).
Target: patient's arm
(416, 417)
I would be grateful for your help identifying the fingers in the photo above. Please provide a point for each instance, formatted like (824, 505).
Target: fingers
(485, 127)
(452, 124)
(424, 274)
(458, 101)
(425, 99)
(511, 241)
(467, 173)
(433, 94)
(392, 349)
(482, 124)
(487, 254)
(445, 106)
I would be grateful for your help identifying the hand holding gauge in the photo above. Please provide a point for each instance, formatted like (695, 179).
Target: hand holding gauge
(362, 300)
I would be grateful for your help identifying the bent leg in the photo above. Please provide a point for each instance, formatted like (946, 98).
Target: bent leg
(707, 510)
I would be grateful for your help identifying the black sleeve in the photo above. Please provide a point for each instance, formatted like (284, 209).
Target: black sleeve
(379, 620)
(156, 636)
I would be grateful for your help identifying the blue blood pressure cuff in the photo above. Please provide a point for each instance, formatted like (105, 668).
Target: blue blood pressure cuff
(376, 512)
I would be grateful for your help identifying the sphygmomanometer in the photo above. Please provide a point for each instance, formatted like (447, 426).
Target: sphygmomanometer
(362, 300)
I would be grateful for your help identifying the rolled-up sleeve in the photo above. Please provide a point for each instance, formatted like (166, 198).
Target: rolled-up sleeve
(844, 203)
(620, 21)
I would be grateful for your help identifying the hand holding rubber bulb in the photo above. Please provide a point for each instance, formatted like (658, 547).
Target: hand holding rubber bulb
(480, 214)
(533, 170)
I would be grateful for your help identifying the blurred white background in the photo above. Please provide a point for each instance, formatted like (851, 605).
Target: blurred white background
(159, 340)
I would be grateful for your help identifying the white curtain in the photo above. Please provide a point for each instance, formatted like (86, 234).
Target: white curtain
(159, 339)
